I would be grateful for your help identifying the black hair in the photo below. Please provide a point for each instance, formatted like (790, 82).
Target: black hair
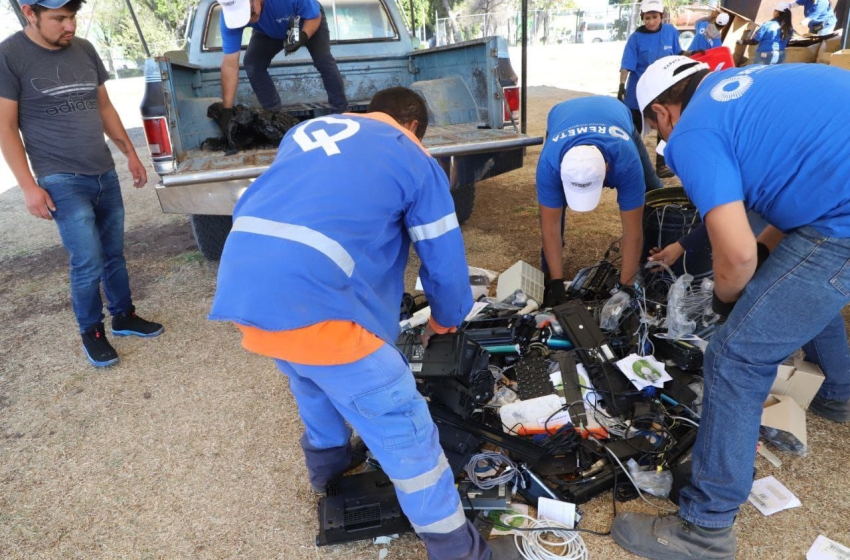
(73, 6)
(785, 25)
(673, 95)
(404, 105)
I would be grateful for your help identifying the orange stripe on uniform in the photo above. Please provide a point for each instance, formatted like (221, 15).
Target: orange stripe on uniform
(329, 343)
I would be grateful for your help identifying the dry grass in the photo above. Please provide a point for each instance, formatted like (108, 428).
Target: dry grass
(189, 447)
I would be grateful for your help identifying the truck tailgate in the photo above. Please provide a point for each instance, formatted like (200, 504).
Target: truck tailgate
(200, 166)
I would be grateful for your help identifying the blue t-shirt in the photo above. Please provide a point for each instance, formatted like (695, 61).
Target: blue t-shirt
(597, 121)
(737, 140)
(700, 40)
(819, 11)
(769, 36)
(644, 48)
(274, 21)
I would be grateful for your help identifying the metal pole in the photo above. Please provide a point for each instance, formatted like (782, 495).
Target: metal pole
(846, 25)
(523, 81)
(139, 29)
(412, 18)
(16, 9)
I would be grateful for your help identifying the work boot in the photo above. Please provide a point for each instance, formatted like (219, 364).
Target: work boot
(669, 537)
(664, 172)
(837, 411)
(97, 348)
(130, 324)
(504, 548)
(359, 453)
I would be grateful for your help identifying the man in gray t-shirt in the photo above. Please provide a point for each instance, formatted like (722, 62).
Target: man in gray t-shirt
(52, 94)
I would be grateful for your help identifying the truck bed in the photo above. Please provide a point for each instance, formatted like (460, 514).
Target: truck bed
(441, 141)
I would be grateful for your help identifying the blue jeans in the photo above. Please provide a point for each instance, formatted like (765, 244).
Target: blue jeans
(90, 217)
(651, 182)
(795, 299)
(377, 396)
(262, 49)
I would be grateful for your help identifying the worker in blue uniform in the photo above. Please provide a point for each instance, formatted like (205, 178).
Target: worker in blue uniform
(270, 21)
(772, 36)
(312, 273)
(819, 16)
(793, 299)
(707, 32)
(591, 142)
(649, 42)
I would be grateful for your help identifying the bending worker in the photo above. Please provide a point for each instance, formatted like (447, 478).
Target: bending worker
(591, 142)
(649, 42)
(270, 22)
(794, 299)
(313, 274)
(819, 16)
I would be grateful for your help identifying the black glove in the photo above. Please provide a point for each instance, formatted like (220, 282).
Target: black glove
(698, 51)
(224, 121)
(554, 293)
(721, 307)
(762, 253)
(621, 93)
(292, 47)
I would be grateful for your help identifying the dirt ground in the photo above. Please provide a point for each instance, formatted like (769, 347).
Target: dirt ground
(189, 447)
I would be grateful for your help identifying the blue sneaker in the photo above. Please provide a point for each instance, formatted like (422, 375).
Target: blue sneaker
(130, 324)
(97, 348)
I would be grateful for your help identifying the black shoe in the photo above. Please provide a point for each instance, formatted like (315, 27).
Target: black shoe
(837, 411)
(664, 172)
(97, 348)
(130, 324)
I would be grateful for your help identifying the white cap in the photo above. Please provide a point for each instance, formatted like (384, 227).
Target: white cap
(236, 13)
(782, 6)
(582, 175)
(651, 6)
(662, 75)
(721, 19)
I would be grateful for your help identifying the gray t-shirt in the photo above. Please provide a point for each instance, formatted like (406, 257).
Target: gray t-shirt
(58, 112)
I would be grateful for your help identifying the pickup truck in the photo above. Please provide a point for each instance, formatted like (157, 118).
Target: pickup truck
(470, 88)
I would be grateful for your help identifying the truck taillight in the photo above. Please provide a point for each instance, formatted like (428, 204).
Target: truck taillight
(159, 142)
(511, 103)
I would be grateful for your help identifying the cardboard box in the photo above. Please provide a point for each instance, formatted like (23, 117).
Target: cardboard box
(785, 416)
(801, 54)
(800, 382)
(840, 59)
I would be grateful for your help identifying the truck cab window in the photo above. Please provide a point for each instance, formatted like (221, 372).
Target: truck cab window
(358, 20)
(212, 36)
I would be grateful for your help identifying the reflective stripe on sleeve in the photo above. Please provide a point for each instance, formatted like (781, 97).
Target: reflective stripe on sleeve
(424, 480)
(446, 525)
(300, 234)
(435, 229)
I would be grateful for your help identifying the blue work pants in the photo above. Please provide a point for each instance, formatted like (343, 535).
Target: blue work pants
(377, 396)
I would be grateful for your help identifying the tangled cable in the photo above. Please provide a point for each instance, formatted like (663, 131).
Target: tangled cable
(548, 540)
(505, 469)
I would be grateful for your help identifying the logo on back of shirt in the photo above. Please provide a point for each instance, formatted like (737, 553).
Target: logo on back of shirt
(70, 89)
(571, 132)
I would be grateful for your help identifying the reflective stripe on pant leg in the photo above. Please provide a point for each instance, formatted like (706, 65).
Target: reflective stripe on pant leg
(426, 482)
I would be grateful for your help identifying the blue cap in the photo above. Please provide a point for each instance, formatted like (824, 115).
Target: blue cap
(49, 4)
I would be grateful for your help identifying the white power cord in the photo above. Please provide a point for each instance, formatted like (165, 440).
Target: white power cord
(552, 536)
(626, 472)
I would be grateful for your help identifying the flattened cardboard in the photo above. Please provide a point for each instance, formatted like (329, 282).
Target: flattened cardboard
(783, 413)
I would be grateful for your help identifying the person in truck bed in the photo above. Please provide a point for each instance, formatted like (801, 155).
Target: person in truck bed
(270, 20)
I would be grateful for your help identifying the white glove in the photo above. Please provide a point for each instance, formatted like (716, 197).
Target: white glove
(806, 21)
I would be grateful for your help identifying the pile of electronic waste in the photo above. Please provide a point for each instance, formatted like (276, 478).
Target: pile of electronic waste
(550, 404)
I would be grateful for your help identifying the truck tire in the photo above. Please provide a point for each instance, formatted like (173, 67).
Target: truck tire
(210, 234)
(464, 198)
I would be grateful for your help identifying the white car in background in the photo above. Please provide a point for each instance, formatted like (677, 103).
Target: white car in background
(595, 32)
